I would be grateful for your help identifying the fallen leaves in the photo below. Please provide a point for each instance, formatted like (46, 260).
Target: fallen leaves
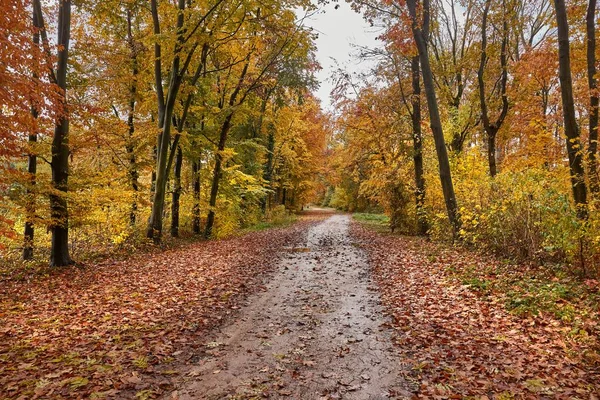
(109, 329)
(458, 340)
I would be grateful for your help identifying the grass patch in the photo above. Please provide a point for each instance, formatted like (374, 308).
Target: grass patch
(278, 223)
(377, 222)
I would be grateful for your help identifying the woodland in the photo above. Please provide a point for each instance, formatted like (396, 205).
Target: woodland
(150, 149)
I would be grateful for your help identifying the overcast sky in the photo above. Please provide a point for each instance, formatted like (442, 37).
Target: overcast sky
(338, 30)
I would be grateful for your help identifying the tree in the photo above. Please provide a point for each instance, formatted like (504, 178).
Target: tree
(590, 20)
(29, 231)
(59, 252)
(570, 120)
(420, 29)
(285, 38)
(451, 46)
(422, 225)
(187, 39)
(492, 127)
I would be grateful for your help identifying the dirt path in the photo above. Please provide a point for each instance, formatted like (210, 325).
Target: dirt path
(315, 332)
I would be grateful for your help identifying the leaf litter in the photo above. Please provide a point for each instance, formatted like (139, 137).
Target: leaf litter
(119, 327)
(462, 342)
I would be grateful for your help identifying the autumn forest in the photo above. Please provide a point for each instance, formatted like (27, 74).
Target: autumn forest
(173, 190)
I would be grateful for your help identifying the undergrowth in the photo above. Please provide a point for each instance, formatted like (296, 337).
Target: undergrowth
(87, 252)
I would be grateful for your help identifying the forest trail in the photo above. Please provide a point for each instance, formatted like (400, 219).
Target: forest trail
(317, 331)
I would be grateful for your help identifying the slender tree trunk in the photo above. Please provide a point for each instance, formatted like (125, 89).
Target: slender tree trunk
(176, 193)
(570, 120)
(593, 86)
(214, 189)
(491, 128)
(491, 151)
(268, 174)
(458, 140)
(422, 225)
(153, 174)
(130, 146)
(133, 177)
(420, 34)
(155, 223)
(59, 253)
(156, 217)
(28, 234)
(196, 165)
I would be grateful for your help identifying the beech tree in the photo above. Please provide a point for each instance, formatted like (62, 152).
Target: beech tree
(574, 149)
(590, 23)
(187, 35)
(420, 28)
(59, 253)
(490, 126)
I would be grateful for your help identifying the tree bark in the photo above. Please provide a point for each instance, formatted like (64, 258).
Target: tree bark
(176, 193)
(268, 174)
(570, 122)
(130, 146)
(420, 34)
(214, 189)
(28, 234)
(593, 87)
(196, 165)
(166, 150)
(166, 109)
(491, 128)
(59, 252)
(422, 225)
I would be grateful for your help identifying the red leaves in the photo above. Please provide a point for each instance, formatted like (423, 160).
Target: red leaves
(105, 327)
(459, 343)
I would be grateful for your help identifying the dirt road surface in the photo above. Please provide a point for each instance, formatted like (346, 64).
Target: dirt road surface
(316, 331)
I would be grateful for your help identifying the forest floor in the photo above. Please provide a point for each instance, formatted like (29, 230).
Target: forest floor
(323, 309)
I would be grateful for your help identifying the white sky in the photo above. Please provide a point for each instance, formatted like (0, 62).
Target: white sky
(338, 30)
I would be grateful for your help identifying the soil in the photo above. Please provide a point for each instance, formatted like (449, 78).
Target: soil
(316, 331)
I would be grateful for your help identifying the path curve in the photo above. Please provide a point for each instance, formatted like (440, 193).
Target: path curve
(317, 331)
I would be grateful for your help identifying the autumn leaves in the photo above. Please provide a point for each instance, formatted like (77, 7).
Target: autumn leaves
(194, 113)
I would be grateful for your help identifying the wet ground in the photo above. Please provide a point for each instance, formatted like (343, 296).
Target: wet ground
(316, 331)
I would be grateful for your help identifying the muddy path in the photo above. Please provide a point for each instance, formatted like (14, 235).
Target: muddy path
(317, 331)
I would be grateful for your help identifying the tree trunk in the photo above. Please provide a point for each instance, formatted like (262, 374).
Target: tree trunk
(593, 86)
(59, 252)
(268, 174)
(420, 34)
(155, 224)
(154, 230)
(491, 128)
(214, 189)
(176, 193)
(570, 121)
(196, 208)
(491, 151)
(130, 147)
(422, 225)
(29, 232)
(458, 140)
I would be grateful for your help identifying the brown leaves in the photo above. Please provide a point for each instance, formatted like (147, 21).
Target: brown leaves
(459, 340)
(111, 327)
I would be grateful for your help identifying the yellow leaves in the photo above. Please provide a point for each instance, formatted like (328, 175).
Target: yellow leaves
(78, 382)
